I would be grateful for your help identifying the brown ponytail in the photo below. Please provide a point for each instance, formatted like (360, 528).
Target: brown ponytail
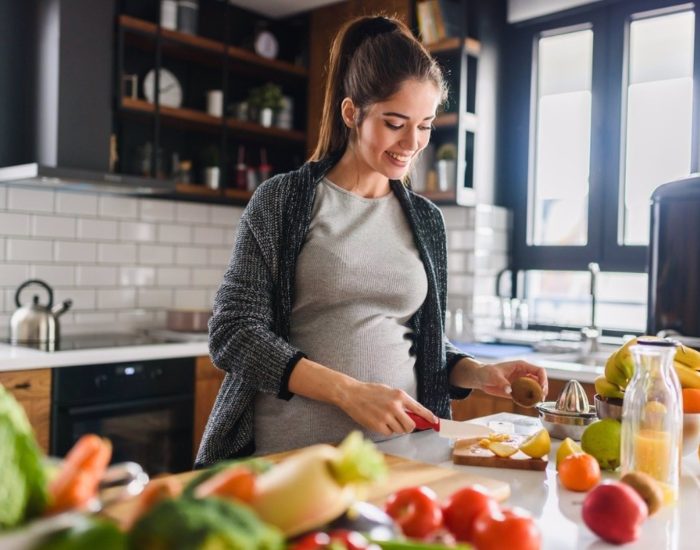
(371, 57)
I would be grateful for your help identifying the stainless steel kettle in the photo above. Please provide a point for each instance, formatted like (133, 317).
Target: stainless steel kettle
(35, 324)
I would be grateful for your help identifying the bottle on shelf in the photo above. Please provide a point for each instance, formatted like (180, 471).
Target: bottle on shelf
(241, 169)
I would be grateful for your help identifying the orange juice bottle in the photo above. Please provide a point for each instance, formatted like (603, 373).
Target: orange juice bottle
(652, 419)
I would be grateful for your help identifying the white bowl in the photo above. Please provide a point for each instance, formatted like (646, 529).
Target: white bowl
(691, 433)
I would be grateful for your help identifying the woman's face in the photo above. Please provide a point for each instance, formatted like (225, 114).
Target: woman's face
(394, 131)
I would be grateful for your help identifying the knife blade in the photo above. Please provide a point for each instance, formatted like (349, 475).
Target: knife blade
(451, 429)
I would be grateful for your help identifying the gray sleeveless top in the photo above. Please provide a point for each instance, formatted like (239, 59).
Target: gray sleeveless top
(359, 279)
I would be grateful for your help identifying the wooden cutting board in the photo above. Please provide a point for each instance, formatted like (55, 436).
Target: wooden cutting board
(468, 452)
(402, 473)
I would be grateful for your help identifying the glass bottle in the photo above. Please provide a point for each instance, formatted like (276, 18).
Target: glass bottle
(652, 418)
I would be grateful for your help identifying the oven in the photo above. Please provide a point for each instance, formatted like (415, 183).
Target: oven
(146, 409)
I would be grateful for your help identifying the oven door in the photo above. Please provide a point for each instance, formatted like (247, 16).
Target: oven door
(155, 432)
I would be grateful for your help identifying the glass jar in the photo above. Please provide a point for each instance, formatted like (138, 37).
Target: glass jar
(652, 418)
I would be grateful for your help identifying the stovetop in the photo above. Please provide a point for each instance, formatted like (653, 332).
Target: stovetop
(108, 340)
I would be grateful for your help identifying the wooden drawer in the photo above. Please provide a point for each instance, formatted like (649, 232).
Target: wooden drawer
(32, 389)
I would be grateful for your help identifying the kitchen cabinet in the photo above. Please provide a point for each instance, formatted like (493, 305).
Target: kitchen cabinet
(208, 380)
(481, 404)
(154, 134)
(32, 388)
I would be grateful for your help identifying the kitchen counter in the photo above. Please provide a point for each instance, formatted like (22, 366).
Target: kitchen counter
(17, 358)
(558, 511)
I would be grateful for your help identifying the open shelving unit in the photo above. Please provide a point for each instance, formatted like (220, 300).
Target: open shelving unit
(188, 132)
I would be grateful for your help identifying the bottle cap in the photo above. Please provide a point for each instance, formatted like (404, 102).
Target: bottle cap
(658, 342)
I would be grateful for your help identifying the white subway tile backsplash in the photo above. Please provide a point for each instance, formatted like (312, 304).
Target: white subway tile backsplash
(118, 207)
(83, 298)
(75, 251)
(102, 230)
(495, 217)
(95, 319)
(460, 262)
(137, 276)
(192, 299)
(153, 254)
(2, 249)
(29, 250)
(188, 255)
(193, 213)
(13, 275)
(54, 274)
(460, 239)
(228, 216)
(490, 239)
(122, 298)
(137, 318)
(14, 224)
(137, 231)
(91, 275)
(116, 253)
(208, 235)
(157, 210)
(2, 301)
(172, 233)
(30, 200)
(53, 226)
(68, 202)
(458, 217)
(219, 256)
(207, 277)
(462, 285)
(173, 276)
(154, 297)
(3, 199)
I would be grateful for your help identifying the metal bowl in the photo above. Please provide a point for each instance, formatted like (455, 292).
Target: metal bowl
(608, 407)
(562, 424)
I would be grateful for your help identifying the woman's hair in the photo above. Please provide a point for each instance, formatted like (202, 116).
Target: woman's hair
(371, 57)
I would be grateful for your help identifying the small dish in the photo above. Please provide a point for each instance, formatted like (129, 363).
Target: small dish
(608, 407)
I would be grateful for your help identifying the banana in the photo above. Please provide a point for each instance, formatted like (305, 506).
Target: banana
(687, 376)
(605, 388)
(619, 367)
(688, 356)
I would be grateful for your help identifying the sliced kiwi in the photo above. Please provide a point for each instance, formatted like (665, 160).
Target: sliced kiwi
(526, 391)
(648, 489)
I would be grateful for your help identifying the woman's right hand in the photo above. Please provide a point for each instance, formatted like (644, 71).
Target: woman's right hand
(382, 409)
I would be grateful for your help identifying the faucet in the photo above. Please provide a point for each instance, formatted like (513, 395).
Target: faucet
(591, 333)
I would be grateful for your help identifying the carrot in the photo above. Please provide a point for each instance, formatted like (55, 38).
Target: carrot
(157, 490)
(80, 474)
(236, 483)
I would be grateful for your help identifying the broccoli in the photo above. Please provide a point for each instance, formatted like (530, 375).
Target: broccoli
(206, 524)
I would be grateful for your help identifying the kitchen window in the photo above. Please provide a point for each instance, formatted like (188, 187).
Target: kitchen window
(600, 110)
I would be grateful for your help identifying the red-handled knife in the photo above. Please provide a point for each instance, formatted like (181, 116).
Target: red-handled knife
(451, 429)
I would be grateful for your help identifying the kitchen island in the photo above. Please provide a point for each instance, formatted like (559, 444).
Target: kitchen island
(557, 510)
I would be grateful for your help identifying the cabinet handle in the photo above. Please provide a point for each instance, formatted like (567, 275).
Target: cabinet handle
(23, 386)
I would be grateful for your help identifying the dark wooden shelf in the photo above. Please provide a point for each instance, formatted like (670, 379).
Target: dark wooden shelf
(193, 117)
(449, 45)
(440, 196)
(197, 189)
(238, 194)
(234, 53)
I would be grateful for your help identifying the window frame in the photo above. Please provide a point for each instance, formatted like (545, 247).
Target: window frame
(607, 18)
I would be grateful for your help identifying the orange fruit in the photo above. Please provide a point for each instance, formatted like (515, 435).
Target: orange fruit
(691, 400)
(579, 472)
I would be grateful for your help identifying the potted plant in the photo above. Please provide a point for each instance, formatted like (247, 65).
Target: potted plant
(210, 161)
(265, 100)
(446, 164)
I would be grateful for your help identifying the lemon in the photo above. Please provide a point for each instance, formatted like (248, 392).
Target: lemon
(537, 445)
(502, 449)
(567, 447)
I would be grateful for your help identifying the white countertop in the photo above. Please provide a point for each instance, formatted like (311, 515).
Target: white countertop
(18, 358)
(557, 510)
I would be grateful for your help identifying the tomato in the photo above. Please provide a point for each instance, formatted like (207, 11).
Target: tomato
(416, 510)
(513, 529)
(350, 540)
(462, 509)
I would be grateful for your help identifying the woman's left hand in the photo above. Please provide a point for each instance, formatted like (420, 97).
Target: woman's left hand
(495, 379)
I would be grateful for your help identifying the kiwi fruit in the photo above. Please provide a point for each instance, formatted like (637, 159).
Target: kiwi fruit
(648, 489)
(526, 391)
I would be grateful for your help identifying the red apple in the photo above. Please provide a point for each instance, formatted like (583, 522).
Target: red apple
(615, 512)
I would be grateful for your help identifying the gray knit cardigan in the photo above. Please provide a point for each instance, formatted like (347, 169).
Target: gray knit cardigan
(249, 330)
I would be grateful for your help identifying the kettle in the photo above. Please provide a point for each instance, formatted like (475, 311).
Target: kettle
(35, 324)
